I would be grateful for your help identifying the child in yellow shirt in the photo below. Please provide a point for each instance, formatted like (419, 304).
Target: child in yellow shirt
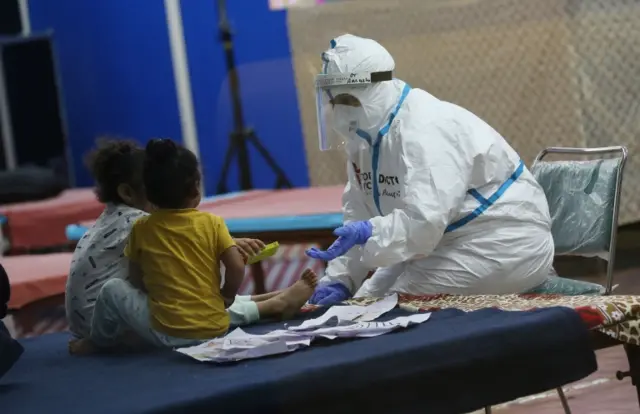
(173, 297)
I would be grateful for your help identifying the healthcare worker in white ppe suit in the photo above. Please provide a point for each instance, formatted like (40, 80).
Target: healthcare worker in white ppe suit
(436, 201)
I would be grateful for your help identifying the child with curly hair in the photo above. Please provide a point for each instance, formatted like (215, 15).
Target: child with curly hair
(173, 297)
(116, 166)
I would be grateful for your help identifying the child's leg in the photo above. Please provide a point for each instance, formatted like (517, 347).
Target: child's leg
(260, 298)
(119, 308)
(290, 300)
(283, 305)
(264, 296)
(119, 311)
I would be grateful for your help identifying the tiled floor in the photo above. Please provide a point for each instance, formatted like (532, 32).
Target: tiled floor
(601, 392)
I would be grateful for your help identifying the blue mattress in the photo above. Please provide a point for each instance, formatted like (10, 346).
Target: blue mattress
(453, 363)
(256, 225)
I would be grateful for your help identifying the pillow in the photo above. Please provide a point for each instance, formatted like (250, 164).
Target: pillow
(555, 285)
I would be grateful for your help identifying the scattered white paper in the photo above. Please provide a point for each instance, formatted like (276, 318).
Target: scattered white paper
(293, 339)
(376, 310)
(342, 313)
(244, 343)
(266, 349)
(349, 313)
(239, 339)
(370, 329)
(239, 345)
(237, 348)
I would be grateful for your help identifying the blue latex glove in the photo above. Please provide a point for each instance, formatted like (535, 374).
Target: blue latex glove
(330, 294)
(349, 235)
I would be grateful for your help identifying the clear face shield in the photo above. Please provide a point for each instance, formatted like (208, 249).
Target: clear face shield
(339, 113)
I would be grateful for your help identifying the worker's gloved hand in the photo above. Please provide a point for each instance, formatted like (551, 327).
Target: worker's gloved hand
(349, 235)
(330, 294)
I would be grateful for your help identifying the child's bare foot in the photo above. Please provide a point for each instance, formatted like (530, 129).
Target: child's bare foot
(309, 277)
(289, 301)
(295, 296)
(81, 347)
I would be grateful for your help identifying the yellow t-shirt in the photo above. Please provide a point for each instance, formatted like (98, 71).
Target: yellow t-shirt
(179, 252)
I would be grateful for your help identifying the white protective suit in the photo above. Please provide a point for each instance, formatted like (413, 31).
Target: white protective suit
(453, 208)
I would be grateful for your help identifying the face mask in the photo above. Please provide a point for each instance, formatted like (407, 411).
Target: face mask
(345, 121)
(366, 122)
(356, 145)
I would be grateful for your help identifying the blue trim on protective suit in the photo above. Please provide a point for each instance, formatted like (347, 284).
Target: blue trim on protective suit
(475, 194)
(325, 65)
(362, 134)
(487, 202)
(376, 146)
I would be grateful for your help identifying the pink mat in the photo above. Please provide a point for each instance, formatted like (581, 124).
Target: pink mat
(36, 277)
(279, 203)
(42, 223)
(274, 203)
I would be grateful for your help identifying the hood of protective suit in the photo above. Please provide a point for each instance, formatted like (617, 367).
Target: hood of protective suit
(350, 54)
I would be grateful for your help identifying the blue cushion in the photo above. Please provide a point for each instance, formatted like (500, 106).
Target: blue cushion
(555, 285)
(581, 199)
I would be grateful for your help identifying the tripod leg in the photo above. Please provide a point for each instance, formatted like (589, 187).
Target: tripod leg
(240, 138)
(228, 157)
(282, 180)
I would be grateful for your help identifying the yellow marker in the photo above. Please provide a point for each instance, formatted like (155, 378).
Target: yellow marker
(268, 251)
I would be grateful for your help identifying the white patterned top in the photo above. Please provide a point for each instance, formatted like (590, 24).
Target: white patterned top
(99, 257)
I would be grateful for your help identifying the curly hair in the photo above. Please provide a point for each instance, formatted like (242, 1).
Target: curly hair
(114, 162)
(171, 174)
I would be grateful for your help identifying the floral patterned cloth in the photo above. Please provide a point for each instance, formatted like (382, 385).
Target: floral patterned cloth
(615, 316)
